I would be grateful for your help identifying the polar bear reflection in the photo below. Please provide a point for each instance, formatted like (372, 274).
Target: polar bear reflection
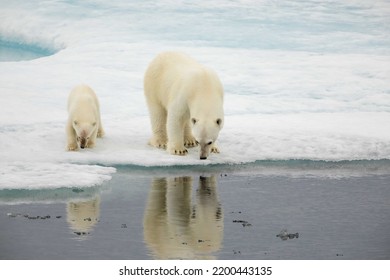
(176, 229)
(82, 216)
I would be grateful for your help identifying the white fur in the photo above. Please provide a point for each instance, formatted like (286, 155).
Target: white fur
(84, 122)
(185, 101)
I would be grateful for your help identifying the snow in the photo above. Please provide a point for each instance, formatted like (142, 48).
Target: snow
(303, 80)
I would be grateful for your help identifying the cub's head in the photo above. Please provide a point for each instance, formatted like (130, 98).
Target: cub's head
(84, 131)
(206, 133)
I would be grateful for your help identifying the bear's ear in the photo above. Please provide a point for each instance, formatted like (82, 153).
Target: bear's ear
(193, 120)
(219, 122)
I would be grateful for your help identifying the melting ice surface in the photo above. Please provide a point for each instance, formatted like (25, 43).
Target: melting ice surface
(303, 80)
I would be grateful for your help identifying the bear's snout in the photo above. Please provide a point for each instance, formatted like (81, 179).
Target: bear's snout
(83, 143)
(203, 157)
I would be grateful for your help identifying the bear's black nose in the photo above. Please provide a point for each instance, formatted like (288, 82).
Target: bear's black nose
(203, 157)
(82, 147)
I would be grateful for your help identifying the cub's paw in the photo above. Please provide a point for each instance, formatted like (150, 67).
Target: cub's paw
(90, 144)
(72, 147)
(100, 133)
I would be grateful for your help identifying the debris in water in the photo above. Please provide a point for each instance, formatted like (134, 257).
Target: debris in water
(284, 235)
(244, 223)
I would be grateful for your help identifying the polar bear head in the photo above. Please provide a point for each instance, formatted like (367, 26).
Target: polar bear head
(206, 132)
(84, 131)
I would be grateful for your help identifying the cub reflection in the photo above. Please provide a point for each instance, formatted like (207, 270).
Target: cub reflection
(177, 228)
(83, 215)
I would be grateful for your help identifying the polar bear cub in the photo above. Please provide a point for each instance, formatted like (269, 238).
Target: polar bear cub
(84, 122)
(185, 102)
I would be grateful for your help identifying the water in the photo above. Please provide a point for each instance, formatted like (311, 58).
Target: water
(200, 214)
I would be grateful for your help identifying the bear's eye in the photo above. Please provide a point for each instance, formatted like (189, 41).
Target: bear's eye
(219, 121)
(193, 120)
(78, 138)
(94, 124)
(75, 122)
(209, 143)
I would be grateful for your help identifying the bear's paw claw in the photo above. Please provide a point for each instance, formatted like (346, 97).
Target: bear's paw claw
(190, 143)
(181, 152)
(161, 144)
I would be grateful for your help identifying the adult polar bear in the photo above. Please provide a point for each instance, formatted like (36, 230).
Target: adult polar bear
(185, 101)
(84, 123)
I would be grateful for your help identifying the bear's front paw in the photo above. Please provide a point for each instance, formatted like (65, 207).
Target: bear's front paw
(90, 144)
(72, 147)
(214, 149)
(189, 143)
(179, 152)
(100, 133)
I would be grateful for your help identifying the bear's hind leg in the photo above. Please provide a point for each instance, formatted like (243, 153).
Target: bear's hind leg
(158, 119)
